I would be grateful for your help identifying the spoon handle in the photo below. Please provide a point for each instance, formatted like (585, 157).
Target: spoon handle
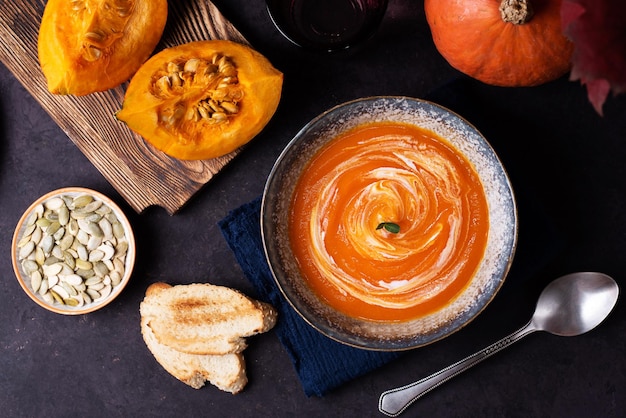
(394, 401)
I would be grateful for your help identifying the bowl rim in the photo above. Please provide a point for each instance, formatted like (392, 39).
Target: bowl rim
(327, 329)
(129, 261)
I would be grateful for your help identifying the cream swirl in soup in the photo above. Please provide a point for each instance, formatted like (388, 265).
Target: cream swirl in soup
(388, 174)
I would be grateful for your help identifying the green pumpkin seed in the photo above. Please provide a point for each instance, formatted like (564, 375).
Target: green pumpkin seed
(83, 265)
(100, 269)
(56, 296)
(40, 256)
(43, 223)
(81, 201)
(53, 227)
(36, 280)
(64, 215)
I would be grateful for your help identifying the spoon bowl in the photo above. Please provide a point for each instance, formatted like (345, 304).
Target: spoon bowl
(570, 305)
(574, 304)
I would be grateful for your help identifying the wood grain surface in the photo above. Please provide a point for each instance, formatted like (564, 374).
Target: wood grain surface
(143, 175)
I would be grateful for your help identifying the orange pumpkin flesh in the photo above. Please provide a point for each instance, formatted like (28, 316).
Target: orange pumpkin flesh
(86, 46)
(474, 38)
(203, 99)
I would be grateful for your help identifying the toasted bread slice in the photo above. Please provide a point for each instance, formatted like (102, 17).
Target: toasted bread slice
(204, 318)
(227, 372)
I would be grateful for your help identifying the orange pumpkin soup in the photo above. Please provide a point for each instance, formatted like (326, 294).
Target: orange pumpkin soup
(402, 176)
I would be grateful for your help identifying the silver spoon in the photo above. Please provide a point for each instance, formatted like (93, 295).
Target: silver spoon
(570, 305)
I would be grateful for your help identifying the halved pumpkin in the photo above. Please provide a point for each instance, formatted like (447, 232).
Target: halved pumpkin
(202, 99)
(86, 46)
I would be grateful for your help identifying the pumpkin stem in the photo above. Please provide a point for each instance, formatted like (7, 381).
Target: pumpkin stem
(517, 12)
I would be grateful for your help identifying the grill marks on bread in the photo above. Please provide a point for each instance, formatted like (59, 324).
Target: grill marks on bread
(197, 332)
(206, 319)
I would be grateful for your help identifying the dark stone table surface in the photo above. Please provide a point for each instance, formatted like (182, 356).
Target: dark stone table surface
(567, 166)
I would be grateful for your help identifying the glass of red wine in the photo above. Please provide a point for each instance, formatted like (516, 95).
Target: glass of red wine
(329, 25)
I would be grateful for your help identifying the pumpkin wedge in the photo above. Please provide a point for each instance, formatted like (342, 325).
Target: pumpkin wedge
(202, 99)
(86, 46)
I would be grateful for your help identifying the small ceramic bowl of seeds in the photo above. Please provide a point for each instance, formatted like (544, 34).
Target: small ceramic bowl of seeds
(73, 251)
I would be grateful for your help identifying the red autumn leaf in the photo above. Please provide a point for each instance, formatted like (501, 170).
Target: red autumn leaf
(598, 30)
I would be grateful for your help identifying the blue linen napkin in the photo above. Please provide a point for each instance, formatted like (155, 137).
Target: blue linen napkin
(321, 363)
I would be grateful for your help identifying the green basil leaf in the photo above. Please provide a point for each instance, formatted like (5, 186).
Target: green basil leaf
(389, 227)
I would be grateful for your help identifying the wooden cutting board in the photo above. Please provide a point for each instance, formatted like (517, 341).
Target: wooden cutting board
(143, 175)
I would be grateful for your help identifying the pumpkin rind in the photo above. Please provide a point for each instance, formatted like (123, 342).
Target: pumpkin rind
(472, 36)
(167, 104)
(86, 46)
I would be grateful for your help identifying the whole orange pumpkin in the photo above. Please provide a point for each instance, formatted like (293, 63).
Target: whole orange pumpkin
(508, 43)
